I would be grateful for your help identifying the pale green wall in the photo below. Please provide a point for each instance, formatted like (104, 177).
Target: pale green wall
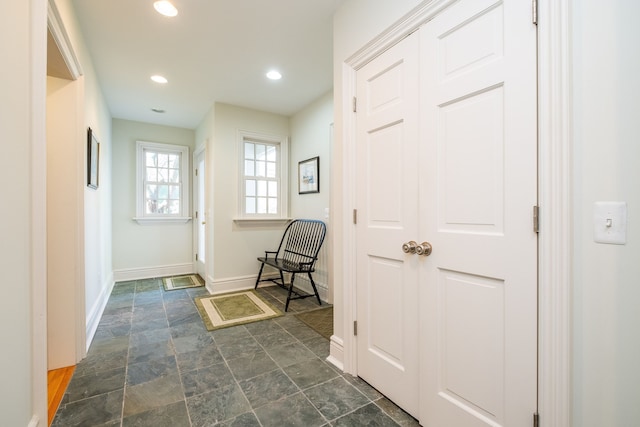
(138, 246)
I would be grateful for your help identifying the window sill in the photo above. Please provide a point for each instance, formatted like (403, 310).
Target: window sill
(158, 221)
(261, 221)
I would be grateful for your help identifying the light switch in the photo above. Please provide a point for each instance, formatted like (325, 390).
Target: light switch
(326, 213)
(610, 222)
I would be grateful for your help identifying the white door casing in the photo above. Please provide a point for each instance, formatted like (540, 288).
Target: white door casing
(473, 177)
(200, 207)
(387, 184)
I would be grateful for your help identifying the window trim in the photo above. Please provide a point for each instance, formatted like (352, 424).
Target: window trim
(185, 190)
(283, 166)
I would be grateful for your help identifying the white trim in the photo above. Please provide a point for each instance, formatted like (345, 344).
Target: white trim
(336, 352)
(59, 34)
(34, 422)
(556, 214)
(185, 189)
(95, 313)
(38, 229)
(231, 284)
(126, 274)
(262, 221)
(283, 170)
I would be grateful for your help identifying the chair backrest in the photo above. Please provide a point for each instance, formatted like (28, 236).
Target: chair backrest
(301, 243)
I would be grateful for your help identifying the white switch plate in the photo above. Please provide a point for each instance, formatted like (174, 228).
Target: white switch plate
(610, 222)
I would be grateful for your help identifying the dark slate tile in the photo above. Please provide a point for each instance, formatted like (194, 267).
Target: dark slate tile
(310, 373)
(294, 411)
(239, 348)
(369, 415)
(184, 329)
(269, 387)
(247, 419)
(152, 394)
(274, 339)
(139, 373)
(149, 337)
(263, 327)
(363, 386)
(101, 362)
(181, 318)
(94, 411)
(94, 384)
(153, 351)
(396, 413)
(215, 406)
(199, 359)
(230, 335)
(290, 354)
(319, 346)
(175, 295)
(209, 378)
(108, 344)
(250, 366)
(335, 398)
(148, 325)
(195, 342)
(173, 415)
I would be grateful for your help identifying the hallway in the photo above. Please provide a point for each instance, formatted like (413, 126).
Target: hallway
(152, 363)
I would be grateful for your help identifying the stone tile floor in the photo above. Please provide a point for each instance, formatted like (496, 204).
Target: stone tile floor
(152, 363)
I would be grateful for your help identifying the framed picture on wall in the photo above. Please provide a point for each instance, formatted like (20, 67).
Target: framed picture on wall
(93, 160)
(309, 176)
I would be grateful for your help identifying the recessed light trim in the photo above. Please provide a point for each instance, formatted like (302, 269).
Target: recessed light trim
(274, 75)
(165, 8)
(159, 79)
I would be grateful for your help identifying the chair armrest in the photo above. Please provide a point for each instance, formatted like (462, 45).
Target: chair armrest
(266, 253)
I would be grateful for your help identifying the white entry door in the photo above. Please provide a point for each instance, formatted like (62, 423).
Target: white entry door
(387, 201)
(199, 212)
(478, 290)
(451, 337)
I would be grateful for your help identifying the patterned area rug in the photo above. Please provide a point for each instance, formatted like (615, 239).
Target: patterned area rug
(237, 308)
(182, 282)
(320, 320)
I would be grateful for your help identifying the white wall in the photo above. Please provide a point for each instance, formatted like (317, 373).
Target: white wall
(145, 250)
(21, 390)
(311, 133)
(606, 302)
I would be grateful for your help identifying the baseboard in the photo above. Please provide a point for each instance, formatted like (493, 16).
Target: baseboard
(241, 283)
(34, 422)
(95, 314)
(336, 352)
(151, 272)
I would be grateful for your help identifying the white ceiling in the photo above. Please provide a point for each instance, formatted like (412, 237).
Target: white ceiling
(213, 51)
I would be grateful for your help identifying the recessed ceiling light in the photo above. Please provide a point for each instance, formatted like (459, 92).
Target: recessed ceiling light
(165, 8)
(157, 110)
(274, 75)
(159, 79)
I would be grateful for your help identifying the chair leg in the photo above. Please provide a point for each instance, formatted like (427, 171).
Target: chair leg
(259, 276)
(313, 285)
(293, 277)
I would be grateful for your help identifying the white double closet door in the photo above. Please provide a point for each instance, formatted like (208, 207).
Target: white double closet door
(447, 155)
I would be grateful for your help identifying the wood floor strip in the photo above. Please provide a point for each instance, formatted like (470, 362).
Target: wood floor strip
(57, 382)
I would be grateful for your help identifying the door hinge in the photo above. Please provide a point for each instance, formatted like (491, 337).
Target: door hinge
(355, 328)
(534, 12)
(196, 172)
(536, 219)
(196, 257)
(196, 214)
(355, 104)
(536, 420)
(355, 216)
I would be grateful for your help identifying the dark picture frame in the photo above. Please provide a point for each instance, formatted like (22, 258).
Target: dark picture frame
(93, 160)
(309, 176)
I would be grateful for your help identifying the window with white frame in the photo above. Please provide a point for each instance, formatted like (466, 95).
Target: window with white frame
(263, 177)
(162, 183)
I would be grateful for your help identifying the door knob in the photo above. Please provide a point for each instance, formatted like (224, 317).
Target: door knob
(409, 247)
(424, 248)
